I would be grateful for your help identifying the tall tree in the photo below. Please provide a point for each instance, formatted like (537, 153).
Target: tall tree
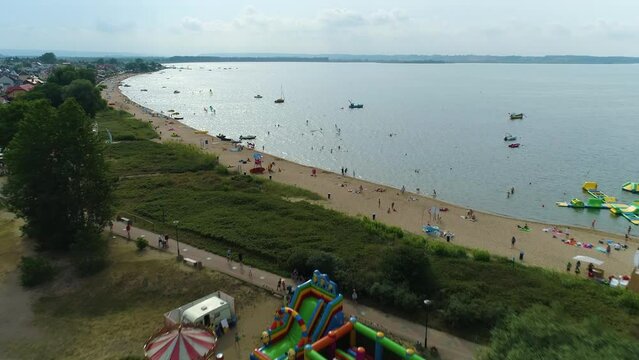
(48, 58)
(58, 178)
(86, 94)
(10, 116)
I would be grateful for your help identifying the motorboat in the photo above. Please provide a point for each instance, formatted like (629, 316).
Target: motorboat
(247, 137)
(144, 90)
(258, 96)
(513, 146)
(355, 106)
(516, 116)
(176, 91)
(509, 137)
(281, 99)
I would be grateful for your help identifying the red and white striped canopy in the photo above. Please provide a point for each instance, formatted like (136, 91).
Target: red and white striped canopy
(181, 342)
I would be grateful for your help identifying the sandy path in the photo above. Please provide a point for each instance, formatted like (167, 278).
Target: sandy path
(490, 232)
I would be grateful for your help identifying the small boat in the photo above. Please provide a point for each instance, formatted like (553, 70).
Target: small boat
(247, 137)
(509, 137)
(226, 139)
(517, 116)
(178, 118)
(176, 91)
(355, 106)
(258, 96)
(144, 90)
(515, 145)
(281, 99)
(176, 113)
(127, 85)
(221, 136)
(171, 111)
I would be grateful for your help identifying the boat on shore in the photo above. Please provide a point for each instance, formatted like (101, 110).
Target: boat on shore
(509, 137)
(220, 136)
(178, 117)
(516, 116)
(355, 106)
(247, 137)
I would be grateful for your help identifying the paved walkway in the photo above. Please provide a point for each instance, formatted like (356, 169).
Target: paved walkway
(449, 346)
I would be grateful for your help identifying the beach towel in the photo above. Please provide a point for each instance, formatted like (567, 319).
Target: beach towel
(525, 229)
(601, 249)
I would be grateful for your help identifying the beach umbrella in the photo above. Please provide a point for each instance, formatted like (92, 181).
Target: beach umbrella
(588, 259)
(180, 342)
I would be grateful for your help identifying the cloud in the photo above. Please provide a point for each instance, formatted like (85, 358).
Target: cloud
(192, 24)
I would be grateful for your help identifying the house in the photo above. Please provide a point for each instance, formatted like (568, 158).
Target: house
(15, 91)
(6, 82)
(33, 80)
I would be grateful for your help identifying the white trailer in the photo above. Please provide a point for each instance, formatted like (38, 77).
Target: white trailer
(214, 310)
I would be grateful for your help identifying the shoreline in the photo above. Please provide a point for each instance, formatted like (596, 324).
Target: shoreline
(492, 232)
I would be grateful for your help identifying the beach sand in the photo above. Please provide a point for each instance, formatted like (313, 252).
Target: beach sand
(490, 232)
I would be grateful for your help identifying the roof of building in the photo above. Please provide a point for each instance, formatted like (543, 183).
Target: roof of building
(23, 87)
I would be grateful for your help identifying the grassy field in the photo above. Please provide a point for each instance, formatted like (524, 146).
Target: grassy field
(123, 126)
(218, 210)
(111, 315)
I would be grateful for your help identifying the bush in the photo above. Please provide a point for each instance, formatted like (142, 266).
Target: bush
(35, 271)
(445, 250)
(469, 309)
(306, 261)
(481, 255)
(141, 243)
(90, 252)
(629, 301)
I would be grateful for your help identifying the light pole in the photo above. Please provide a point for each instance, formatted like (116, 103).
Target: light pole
(427, 304)
(177, 237)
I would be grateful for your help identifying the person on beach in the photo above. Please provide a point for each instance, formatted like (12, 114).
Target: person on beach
(507, 194)
(521, 255)
(403, 189)
(434, 194)
(354, 296)
(128, 230)
(393, 206)
(512, 191)
(568, 266)
(279, 284)
(629, 228)
(250, 271)
(228, 255)
(594, 221)
(379, 205)
(608, 248)
(512, 242)
(578, 267)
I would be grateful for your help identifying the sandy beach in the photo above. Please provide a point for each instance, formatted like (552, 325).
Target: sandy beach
(490, 232)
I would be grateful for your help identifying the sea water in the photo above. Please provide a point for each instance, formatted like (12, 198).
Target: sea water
(429, 126)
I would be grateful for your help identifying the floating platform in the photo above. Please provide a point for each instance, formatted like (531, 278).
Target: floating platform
(599, 200)
(632, 187)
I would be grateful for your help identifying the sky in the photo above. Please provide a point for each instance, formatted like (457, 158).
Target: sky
(448, 27)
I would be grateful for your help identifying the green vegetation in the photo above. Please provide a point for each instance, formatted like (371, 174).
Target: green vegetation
(147, 157)
(111, 314)
(546, 333)
(48, 58)
(70, 82)
(141, 243)
(35, 271)
(123, 126)
(472, 290)
(58, 180)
